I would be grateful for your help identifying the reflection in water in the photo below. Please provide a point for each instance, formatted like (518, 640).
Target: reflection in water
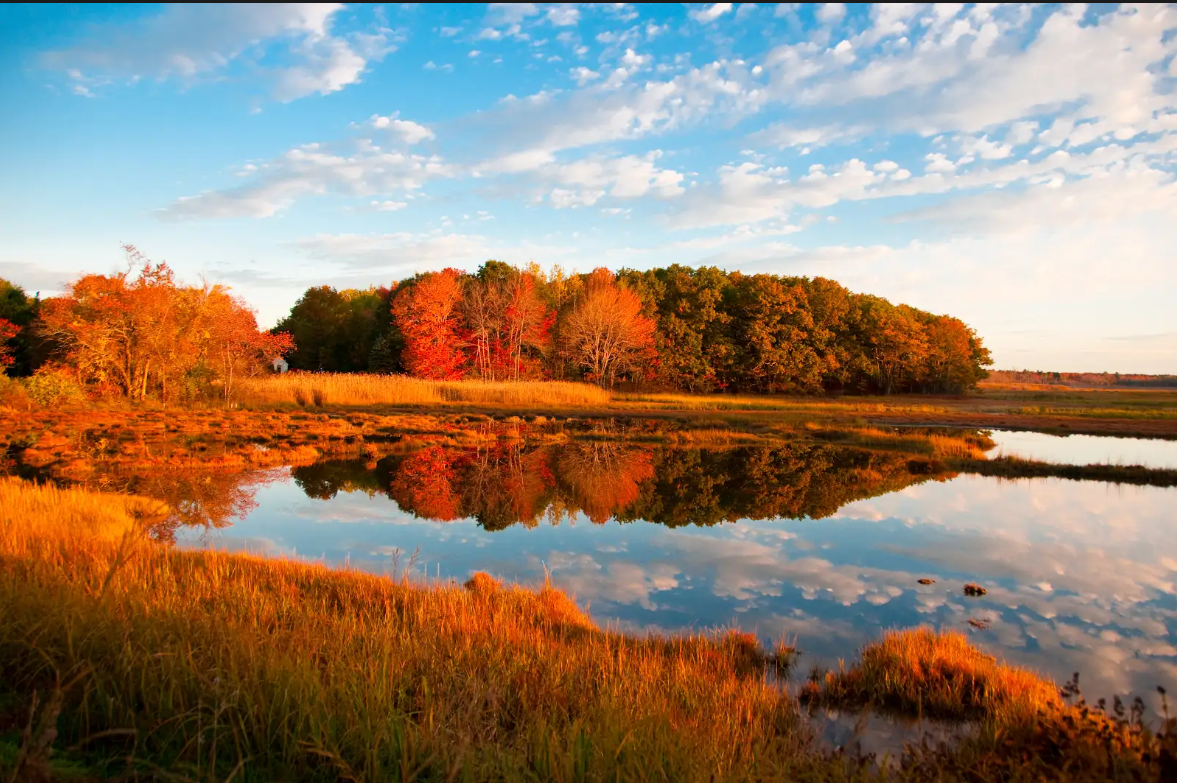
(197, 499)
(514, 484)
(1087, 449)
(818, 542)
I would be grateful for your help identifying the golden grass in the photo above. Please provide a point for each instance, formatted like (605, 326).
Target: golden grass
(201, 662)
(47, 514)
(325, 389)
(168, 664)
(938, 675)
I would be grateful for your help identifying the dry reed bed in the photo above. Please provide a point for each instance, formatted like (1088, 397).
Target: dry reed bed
(321, 389)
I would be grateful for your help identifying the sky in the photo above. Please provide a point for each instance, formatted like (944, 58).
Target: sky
(1009, 164)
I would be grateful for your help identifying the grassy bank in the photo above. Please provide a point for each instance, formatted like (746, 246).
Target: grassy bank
(148, 663)
(1017, 468)
(1150, 413)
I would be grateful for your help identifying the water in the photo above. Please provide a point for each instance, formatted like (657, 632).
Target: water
(1086, 449)
(821, 544)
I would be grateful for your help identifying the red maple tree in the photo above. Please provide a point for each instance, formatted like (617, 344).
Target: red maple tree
(8, 330)
(427, 315)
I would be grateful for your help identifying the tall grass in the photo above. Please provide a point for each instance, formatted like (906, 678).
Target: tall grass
(209, 665)
(320, 389)
(939, 675)
(158, 664)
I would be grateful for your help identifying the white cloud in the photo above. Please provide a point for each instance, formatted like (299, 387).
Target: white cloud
(938, 163)
(388, 206)
(313, 170)
(970, 71)
(749, 192)
(625, 177)
(830, 13)
(547, 122)
(509, 13)
(584, 75)
(191, 41)
(633, 61)
(407, 252)
(710, 13)
(563, 15)
(408, 131)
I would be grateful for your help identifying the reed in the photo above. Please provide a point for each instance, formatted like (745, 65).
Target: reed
(208, 665)
(938, 675)
(341, 389)
(137, 661)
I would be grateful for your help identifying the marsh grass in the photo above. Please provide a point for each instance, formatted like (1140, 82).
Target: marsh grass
(123, 658)
(936, 675)
(341, 389)
(1012, 467)
(208, 664)
(1025, 727)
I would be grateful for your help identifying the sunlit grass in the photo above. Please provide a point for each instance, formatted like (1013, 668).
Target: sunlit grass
(939, 675)
(208, 660)
(207, 666)
(327, 389)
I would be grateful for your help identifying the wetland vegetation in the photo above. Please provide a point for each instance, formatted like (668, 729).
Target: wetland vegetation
(136, 645)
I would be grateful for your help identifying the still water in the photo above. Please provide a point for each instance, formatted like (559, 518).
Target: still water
(1086, 449)
(821, 544)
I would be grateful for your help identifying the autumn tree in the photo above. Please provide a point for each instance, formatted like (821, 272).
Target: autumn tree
(700, 330)
(426, 312)
(140, 334)
(26, 351)
(605, 333)
(772, 326)
(8, 331)
(232, 342)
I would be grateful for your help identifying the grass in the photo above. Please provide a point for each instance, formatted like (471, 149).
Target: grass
(1012, 467)
(206, 664)
(1129, 412)
(341, 389)
(120, 657)
(937, 675)
(1024, 727)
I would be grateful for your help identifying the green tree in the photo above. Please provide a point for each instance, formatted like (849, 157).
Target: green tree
(28, 351)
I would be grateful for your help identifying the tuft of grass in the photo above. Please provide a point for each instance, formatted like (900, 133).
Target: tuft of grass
(937, 675)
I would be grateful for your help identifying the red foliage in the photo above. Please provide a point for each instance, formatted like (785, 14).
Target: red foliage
(8, 330)
(427, 316)
(424, 485)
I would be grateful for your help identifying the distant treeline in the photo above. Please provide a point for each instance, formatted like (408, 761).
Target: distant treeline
(1084, 379)
(141, 334)
(697, 330)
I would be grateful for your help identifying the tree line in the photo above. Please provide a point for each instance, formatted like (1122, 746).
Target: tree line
(696, 330)
(141, 334)
(138, 334)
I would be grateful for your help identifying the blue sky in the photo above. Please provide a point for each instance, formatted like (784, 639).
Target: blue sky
(1009, 164)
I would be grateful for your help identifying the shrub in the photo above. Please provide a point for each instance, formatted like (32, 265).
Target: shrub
(53, 386)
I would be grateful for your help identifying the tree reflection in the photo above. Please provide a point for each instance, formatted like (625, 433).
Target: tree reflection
(514, 484)
(196, 498)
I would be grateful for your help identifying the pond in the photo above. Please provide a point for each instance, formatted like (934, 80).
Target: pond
(1086, 449)
(820, 544)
